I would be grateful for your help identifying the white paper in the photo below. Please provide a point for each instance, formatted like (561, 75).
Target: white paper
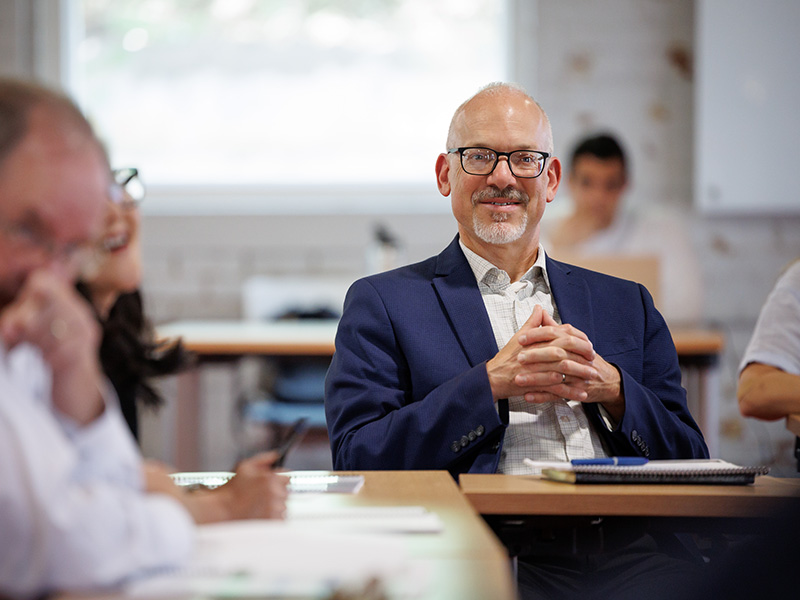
(367, 519)
(273, 559)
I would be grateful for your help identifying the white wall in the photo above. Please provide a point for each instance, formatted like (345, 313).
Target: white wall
(623, 64)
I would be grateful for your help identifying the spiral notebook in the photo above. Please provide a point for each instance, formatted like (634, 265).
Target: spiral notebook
(702, 472)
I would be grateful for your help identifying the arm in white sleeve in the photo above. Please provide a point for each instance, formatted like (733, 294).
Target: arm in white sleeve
(73, 514)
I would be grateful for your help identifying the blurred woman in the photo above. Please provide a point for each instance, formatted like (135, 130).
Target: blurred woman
(129, 353)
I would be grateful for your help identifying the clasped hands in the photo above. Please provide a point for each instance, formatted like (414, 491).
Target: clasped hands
(545, 361)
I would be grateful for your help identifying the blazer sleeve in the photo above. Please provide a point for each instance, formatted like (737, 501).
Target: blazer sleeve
(399, 397)
(657, 423)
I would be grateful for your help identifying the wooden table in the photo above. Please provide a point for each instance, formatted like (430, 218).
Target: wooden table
(225, 340)
(470, 562)
(523, 495)
(467, 561)
(234, 338)
(519, 508)
(315, 337)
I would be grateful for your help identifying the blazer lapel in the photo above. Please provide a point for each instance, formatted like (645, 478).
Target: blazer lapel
(571, 296)
(456, 287)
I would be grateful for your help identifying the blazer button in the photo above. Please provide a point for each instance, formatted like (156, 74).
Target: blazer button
(635, 435)
(455, 447)
(464, 441)
(472, 436)
(480, 430)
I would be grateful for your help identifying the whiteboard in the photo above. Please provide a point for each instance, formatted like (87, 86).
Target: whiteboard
(747, 120)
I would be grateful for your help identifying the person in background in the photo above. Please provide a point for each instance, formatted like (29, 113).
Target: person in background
(600, 225)
(129, 353)
(79, 509)
(492, 352)
(769, 374)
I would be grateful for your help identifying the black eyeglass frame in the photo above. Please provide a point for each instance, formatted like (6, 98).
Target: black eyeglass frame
(123, 177)
(497, 155)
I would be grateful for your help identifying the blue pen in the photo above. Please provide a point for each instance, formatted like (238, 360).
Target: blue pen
(623, 461)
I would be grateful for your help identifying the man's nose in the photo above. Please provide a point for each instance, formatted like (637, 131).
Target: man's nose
(502, 176)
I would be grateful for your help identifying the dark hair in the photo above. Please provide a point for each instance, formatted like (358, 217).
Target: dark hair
(603, 146)
(130, 355)
(19, 98)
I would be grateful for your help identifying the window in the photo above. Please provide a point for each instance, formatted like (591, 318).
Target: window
(269, 105)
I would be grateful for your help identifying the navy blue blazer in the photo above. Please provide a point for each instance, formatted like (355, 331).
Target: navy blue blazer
(408, 389)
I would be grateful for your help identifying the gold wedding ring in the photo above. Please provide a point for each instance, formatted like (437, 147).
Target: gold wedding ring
(58, 329)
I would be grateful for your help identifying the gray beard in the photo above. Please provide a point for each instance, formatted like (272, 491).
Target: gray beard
(499, 231)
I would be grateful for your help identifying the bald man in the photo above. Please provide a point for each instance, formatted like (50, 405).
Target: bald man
(491, 352)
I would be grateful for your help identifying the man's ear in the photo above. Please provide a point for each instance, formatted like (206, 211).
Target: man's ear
(443, 175)
(553, 177)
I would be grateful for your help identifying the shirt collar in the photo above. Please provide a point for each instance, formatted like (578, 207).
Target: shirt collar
(491, 276)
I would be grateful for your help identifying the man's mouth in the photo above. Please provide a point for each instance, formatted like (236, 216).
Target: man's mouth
(493, 196)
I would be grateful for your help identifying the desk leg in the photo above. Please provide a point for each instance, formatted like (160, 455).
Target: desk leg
(797, 451)
(709, 406)
(187, 424)
(702, 382)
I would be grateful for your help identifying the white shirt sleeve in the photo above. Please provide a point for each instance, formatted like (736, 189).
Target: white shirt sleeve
(776, 338)
(73, 514)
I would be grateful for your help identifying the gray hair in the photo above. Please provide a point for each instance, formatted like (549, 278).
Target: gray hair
(497, 88)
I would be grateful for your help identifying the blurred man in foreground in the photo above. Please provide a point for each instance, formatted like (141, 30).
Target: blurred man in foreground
(78, 508)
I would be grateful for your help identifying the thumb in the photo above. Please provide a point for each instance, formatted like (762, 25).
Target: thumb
(535, 320)
(547, 320)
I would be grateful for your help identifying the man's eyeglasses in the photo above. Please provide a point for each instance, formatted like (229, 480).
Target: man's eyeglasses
(525, 164)
(129, 188)
(29, 238)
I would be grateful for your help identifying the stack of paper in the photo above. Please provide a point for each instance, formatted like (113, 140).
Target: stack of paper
(366, 519)
(273, 559)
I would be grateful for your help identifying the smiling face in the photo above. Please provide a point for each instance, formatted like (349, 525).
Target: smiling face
(498, 209)
(118, 265)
